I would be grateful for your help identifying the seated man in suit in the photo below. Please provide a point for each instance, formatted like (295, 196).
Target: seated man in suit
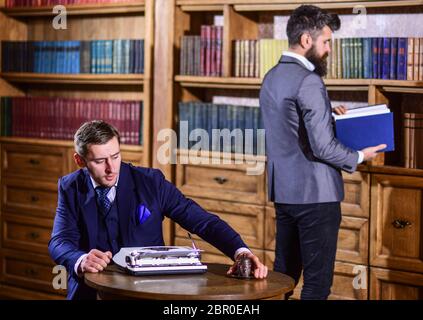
(98, 211)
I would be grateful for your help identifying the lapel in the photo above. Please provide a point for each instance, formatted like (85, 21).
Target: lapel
(89, 207)
(126, 195)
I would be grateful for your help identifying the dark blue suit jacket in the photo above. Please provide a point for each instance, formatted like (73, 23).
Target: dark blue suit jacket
(75, 225)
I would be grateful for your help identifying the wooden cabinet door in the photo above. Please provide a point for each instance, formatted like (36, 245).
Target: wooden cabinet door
(395, 285)
(396, 222)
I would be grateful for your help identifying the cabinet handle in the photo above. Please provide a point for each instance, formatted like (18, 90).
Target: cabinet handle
(30, 272)
(34, 235)
(34, 198)
(220, 180)
(401, 224)
(34, 162)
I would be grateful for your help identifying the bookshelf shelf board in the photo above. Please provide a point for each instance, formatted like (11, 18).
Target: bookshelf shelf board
(268, 5)
(95, 79)
(59, 143)
(88, 9)
(332, 84)
(219, 82)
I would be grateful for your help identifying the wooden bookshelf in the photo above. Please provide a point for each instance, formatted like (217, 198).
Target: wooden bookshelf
(88, 79)
(268, 5)
(255, 83)
(377, 190)
(59, 143)
(31, 166)
(80, 10)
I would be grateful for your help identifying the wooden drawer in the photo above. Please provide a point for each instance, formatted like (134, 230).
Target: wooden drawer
(269, 228)
(34, 162)
(221, 182)
(353, 237)
(342, 287)
(247, 220)
(357, 191)
(396, 235)
(27, 270)
(34, 198)
(395, 285)
(353, 240)
(27, 234)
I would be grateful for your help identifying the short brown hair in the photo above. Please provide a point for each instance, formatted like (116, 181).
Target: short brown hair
(93, 132)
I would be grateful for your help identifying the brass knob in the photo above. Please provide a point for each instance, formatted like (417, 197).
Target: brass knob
(220, 180)
(34, 162)
(401, 224)
(34, 235)
(30, 272)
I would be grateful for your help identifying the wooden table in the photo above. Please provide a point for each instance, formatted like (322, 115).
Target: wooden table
(114, 283)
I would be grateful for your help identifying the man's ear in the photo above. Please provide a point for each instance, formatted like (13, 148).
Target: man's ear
(306, 41)
(79, 160)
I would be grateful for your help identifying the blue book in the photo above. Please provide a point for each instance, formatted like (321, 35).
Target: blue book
(386, 58)
(394, 58)
(362, 130)
(367, 58)
(402, 59)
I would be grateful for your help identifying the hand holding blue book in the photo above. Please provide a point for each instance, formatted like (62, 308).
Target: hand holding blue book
(367, 126)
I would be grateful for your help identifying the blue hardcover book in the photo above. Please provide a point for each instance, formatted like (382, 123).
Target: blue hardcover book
(386, 58)
(375, 57)
(367, 58)
(402, 59)
(364, 130)
(249, 135)
(394, 58)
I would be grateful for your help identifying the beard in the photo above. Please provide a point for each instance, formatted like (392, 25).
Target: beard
(320, 63)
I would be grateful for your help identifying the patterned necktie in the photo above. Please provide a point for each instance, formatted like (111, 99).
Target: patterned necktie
(102, 199)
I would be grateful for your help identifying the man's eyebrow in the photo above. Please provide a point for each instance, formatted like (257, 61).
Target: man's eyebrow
(95, 159)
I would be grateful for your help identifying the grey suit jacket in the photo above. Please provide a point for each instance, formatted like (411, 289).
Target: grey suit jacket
(304, 157)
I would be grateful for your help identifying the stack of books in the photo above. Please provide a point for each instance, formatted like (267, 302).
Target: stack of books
(161, 260)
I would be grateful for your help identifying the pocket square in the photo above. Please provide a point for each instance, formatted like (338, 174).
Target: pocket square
(142, 214)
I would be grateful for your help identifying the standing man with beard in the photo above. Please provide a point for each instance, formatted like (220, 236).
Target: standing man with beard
(304, 157)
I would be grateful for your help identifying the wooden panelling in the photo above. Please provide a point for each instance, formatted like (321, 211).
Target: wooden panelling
(35, 198)
(269, 228)
(33, 162)
(353, 240)
(26, 234)
(395, 285)
(27, 270)
(210, 254)
(357, 193)
(396, 237)
(222, 182)
(342, 286)
(247, 220)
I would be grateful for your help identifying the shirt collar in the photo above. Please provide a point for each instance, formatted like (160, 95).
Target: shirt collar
(302, 59)
(95, 184)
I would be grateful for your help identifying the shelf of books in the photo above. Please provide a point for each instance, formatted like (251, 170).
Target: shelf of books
(95, 64)
(225, 49)
(36, 8)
